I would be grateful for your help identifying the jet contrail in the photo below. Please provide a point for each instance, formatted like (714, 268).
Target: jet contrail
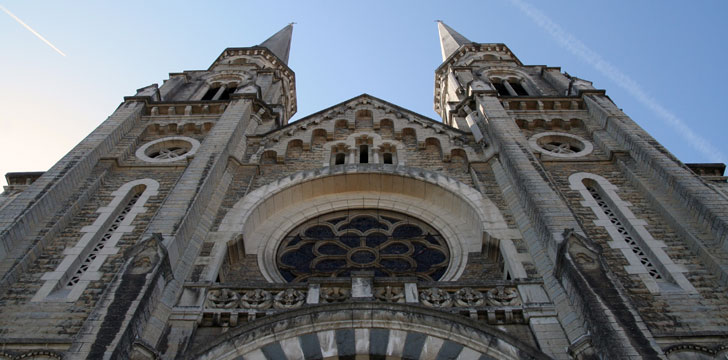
(578, 48)
(31, 30)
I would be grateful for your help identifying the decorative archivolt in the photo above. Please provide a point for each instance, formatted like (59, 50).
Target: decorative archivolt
(423, 334)
(644, 254)
(462, 215)
(82, 262)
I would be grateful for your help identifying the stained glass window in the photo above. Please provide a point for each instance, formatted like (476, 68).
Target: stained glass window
(384, 242)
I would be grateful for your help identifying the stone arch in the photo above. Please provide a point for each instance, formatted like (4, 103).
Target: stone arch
(557, 123)
(460, 213)
(576, 123)
(341, 127)
(386, 127)
(409, 136)
(318, 137)
(363, 119)
(499, 74)
(458, 156)
(522, 124)
(433, 146)
(294, 149)
(269, 157)
(394, 331)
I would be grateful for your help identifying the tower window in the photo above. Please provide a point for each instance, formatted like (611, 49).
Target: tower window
(340, 159)
(518, 88)
(228, 91)
(502, 90)
(364, 154)
(387, 157)
(210, 93)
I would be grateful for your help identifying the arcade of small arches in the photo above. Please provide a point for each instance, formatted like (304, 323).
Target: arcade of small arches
(362, 147)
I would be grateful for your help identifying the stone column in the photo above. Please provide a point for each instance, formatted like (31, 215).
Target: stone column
(219, 92)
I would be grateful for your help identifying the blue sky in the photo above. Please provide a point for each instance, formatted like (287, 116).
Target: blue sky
(671, 50)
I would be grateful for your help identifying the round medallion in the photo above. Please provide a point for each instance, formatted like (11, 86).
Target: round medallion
(168, 149)
(383, 242)
(562, 145)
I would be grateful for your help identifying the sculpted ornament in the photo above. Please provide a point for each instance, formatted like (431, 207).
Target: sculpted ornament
(289, 299)
(436, 297)
(222, 299)
(469, 297)
(501, 296)
(335, 294)
(389, 294)
(247, 84)
(256, 299)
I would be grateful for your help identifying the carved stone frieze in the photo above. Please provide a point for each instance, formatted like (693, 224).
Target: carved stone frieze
(436, 297)
(389, 294)
(256, 299)
(335, 294)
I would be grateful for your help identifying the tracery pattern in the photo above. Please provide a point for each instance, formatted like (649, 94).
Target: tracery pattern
(636, 249)
(103, 241)
(385, 242)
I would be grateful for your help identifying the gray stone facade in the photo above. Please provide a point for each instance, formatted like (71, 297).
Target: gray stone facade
(193, 223)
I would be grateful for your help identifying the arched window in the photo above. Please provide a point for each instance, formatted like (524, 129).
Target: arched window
(339, 154)
(644, 254)
(510, 86)
(83, 262)
(220, 91)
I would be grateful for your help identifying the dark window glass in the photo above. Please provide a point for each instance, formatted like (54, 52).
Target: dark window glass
(502, 91)
(385, 242)
(228, 91)
(364, 154)
(518, 88)
(210, 93)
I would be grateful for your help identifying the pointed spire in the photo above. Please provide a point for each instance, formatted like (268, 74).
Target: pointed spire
(450, 40)
(280, 43)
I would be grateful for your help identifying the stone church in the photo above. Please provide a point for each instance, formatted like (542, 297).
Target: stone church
(535, 220)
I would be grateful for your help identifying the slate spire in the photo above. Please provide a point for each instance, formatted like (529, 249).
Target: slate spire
(280, 43)
(450, 40)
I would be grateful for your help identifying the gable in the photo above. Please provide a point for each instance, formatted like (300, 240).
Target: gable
(363, 119)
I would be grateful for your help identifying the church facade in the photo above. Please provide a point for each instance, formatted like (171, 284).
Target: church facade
(534, 221)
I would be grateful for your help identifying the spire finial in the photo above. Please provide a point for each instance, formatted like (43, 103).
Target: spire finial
(280, 43)
(450, 40)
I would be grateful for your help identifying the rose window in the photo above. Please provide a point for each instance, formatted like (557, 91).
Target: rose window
(559, 147)
(563, 145)
(168, 149)
(384, 242)
(169, 153)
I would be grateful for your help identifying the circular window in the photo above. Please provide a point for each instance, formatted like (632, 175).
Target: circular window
(168, 149)
(562, 145)
(384, 242)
